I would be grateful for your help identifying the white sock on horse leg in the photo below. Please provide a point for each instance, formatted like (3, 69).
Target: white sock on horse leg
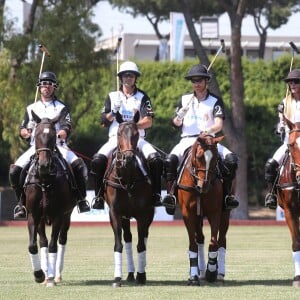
(296, 256)
(221, 260)
(44, 260)
(35, 261)
(51, 264)
(141, 262)
(201, 257)
(60, 259)
(193, 268)
(118, 264)
(129, 254)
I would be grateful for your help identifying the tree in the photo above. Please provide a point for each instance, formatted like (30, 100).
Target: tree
(270, 14)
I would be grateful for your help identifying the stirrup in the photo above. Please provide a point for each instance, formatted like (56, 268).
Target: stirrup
(271, 201)
(20, 212)
(83, 206)
(169, 202)
(231, 202)
(157, 200)
(98, 202)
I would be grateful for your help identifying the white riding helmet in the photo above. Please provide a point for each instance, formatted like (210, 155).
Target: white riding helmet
(129, 66)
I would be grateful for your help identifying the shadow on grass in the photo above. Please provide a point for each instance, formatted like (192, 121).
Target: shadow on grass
(227, 283)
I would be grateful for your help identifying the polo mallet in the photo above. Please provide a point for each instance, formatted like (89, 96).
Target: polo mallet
(221, 49)
(45, 52)
(116, 52)
(294, 49)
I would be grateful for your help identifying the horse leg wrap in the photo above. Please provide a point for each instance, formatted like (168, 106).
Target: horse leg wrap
(212, 261)
(141, 262)
(118, 264)
(193, 256)
(60, 259)
(201, 258)
(296, 256)
(51, 264)
(35, 262)
(44, 259)
(221, 260)
(129, 254)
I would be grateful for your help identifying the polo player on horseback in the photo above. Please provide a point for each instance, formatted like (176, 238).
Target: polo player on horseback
(290, 108)
(127, 100)
(49, 106)
(199, 112)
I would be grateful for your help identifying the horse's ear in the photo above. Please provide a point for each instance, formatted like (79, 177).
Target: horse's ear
(35, 117)
(136, 116)
(119, 118)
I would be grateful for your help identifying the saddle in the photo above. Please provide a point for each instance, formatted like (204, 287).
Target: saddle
(142, 162)
(60, 166)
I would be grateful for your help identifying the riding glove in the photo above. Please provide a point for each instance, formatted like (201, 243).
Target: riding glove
(182, 112)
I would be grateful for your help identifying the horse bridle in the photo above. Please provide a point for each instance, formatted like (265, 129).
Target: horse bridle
(296, 167)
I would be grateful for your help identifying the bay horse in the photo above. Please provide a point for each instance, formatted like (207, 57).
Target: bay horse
(128, 193)
(200, 195)
(49, 201)
(288, 190)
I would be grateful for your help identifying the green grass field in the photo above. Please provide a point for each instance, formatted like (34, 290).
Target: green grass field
(259, 265)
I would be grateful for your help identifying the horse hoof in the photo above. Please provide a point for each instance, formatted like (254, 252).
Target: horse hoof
(130, 277)
(39, 276)
(220, 279)
(211, 276)
(50, 282)
(202, 275)
(117, 282)
(296, 281)
(141, 278)
(58, 279)
(194, 281)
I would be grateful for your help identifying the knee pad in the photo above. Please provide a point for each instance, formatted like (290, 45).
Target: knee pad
(171, 165)
(271, 167)
(80, 165)
(98, 163)
(155, 160)
(231, 164)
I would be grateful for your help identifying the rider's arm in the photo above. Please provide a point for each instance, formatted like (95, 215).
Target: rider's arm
(106, 117)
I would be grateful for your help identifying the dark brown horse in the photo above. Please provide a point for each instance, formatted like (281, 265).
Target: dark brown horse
(200, 194)
(49, 201)
(128, 193)
(289, 193)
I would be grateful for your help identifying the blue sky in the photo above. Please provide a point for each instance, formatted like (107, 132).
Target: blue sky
(112, 21)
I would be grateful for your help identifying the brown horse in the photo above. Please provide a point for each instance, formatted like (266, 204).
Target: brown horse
(49, 201)
(128, 193)
(200, 194)
(289, 193)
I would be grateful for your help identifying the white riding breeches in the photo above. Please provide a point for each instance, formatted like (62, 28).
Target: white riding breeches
(67, 154)
(279, 153)
(111, 144)
(187, 142)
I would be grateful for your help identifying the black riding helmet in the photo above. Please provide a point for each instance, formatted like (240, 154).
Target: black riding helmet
(47, 76)
(198, 71)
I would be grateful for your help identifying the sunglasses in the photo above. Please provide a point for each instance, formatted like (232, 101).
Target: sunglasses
(131, 75)
(197, 80)
(44, 83)
(295, 81)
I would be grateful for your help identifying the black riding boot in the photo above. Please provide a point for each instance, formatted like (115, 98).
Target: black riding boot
(271, 169)
(80, 172)
(155, 168)
(14, 179)
(98, 168)
(229, 171)
(169, 201)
